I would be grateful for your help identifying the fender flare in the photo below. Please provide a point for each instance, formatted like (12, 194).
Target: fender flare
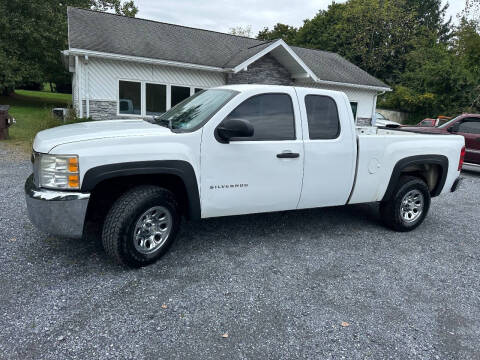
(182, 169)
(440, 160)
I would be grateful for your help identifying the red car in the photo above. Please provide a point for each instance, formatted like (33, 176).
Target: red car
(432, 122)
(467, 125)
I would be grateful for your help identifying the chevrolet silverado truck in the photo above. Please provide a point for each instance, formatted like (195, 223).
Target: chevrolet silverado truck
(230, 150)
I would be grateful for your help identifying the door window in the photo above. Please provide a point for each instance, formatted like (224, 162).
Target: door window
(322, 116)
(271, 116)
(469, 126)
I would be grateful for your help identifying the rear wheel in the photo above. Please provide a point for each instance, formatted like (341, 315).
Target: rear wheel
(141, 225)
(408, 206)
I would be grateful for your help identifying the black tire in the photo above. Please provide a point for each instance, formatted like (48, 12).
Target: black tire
(391, 210)
(120, 223)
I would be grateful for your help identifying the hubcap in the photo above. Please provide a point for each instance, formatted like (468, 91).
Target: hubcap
(152, 229)
(412, 206)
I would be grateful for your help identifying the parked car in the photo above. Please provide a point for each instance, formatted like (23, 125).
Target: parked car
(433, 122)
(231, 150)
(427, 123)
(381, 120)
(467, 125)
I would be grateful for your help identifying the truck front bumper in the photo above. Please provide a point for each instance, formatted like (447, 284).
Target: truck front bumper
(59, 213)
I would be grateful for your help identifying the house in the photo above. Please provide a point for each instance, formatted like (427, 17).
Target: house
(124, 67)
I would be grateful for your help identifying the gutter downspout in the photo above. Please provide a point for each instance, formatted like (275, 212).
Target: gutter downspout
(87, 87)
(79, 87)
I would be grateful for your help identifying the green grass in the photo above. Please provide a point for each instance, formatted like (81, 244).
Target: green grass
(45, 96)
(32, 111)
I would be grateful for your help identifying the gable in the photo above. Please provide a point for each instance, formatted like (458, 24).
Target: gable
(266, 70)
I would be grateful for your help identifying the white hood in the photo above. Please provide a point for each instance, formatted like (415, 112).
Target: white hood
(46, 140)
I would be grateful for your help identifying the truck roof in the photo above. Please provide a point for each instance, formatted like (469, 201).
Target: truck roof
(272, 88)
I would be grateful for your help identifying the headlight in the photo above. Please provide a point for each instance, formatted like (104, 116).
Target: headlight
(58, 171)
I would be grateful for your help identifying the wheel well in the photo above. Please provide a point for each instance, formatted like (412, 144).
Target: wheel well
(432, 169)
(106, 192)
(430, 173)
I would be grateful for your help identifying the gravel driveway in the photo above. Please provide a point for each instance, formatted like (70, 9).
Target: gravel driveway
(280, 285)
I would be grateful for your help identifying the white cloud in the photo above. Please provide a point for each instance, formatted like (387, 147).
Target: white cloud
(221, 15)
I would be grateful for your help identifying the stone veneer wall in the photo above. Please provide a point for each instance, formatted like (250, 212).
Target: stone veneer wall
(101, 110)
(266, 70)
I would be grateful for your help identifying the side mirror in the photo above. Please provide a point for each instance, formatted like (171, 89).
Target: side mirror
(454, 128)
(232, 128)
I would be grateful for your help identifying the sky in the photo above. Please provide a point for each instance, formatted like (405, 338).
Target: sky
(221, 15)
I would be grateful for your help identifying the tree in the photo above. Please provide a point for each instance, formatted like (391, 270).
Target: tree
(34, 33)
(431, 15)
(127, 8)
(245, 31)
(280, 31)
(373, 34)
(471, 11)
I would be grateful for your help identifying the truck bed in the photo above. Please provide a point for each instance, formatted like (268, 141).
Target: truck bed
(380, 149)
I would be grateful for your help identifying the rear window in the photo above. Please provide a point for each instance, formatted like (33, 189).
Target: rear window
(322, 116)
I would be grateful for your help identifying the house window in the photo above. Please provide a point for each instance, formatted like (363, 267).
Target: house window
(156, 99)
(354, 106)
(130, 94)
(149, 99)
(179, 93)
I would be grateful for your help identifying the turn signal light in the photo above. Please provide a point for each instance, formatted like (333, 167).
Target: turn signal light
(73, 181)
(73, 164)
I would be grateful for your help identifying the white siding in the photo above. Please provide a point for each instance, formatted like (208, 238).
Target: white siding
(366, 99)
(104, 75)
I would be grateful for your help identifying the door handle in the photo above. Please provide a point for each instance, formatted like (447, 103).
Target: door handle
(288, 155)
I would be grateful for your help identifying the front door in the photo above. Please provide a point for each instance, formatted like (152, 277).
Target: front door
(256, 174)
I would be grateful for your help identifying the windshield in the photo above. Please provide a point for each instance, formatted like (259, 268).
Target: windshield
(447, 124)
(196, 110)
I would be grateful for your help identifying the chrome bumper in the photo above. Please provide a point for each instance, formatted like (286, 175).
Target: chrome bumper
(60, 213)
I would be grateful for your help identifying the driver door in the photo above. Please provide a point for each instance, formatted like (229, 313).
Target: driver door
(259, 173)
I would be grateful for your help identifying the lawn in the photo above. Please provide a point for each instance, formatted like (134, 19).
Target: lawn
(32, 111)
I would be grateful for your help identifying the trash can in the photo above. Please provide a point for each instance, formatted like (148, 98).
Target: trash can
(4, 121)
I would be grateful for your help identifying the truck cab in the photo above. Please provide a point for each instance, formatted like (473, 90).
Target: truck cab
(231, 150)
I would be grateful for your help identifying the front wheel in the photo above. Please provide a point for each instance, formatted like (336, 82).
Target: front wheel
(408, 206)
(141, 225)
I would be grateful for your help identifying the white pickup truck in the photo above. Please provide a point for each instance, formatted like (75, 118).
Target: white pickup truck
(228, 151)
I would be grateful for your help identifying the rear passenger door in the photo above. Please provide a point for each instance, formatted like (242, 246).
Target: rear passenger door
(259, 173)
(330, 148)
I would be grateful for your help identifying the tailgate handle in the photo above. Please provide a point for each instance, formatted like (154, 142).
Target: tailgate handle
(288, 155)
